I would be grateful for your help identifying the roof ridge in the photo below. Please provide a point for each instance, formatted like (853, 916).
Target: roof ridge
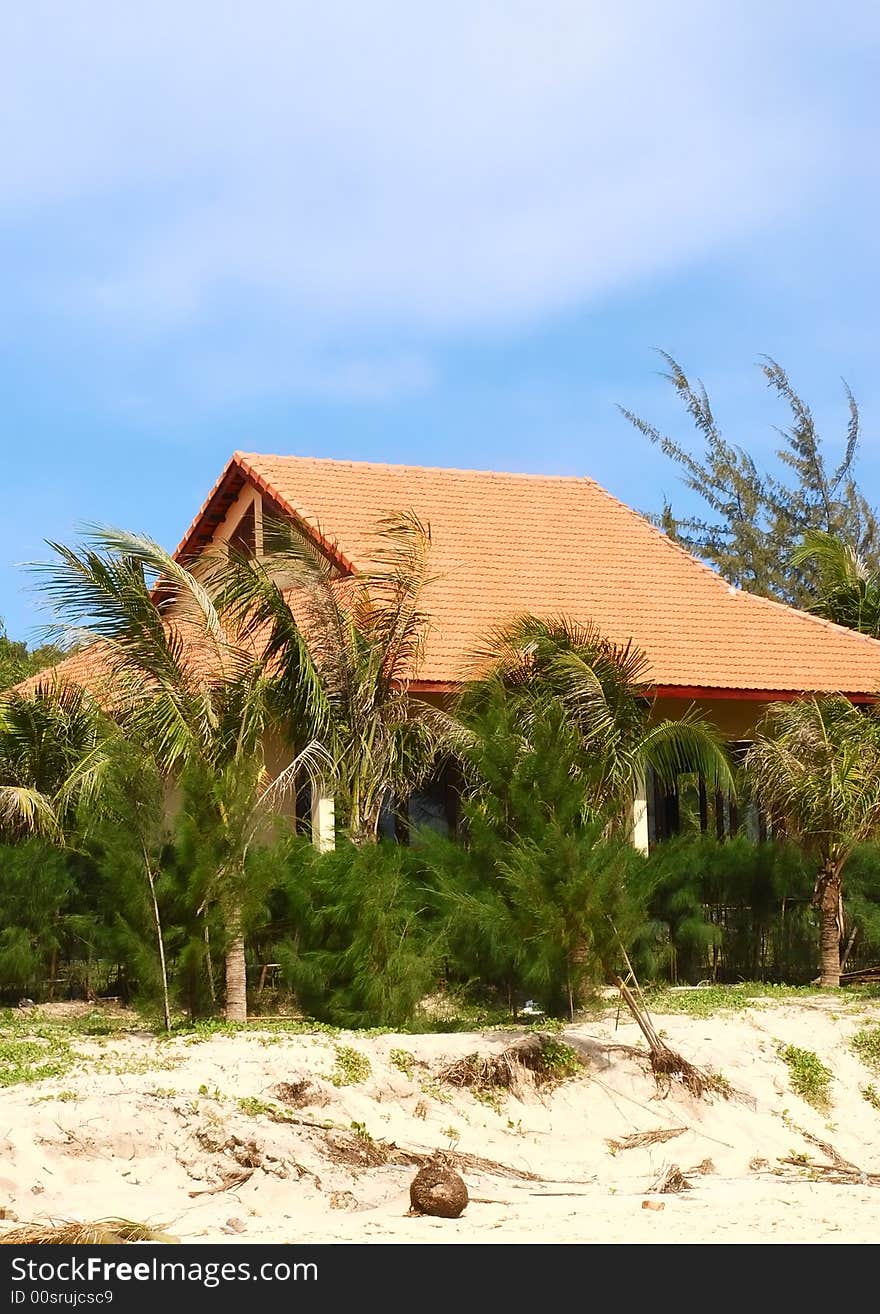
(245, 458)
(716, 577)
(426, 469)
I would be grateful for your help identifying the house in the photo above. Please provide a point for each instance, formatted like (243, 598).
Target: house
(504, 544)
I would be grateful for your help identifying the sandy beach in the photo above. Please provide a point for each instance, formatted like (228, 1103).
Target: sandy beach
(274, 1136)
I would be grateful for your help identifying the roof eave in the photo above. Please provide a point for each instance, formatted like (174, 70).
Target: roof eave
(754, 695)
(236, 473)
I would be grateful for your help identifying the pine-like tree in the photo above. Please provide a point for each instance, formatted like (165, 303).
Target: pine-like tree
(756, 516)
(362, 941)
(539, 893)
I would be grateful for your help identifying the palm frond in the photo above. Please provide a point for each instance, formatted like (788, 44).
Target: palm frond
(688, 745)
(816, 765)
(848, 586)
(394, 589)
(25, 809)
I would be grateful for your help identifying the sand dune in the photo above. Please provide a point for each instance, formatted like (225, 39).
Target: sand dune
(186, 1133)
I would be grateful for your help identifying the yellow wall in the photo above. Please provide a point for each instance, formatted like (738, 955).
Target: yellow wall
(734, 718)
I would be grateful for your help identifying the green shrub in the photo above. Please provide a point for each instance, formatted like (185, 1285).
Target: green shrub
(866, 1043)
(730, 911)
(365, 943)
(28, 1060)
(535, 899)
(809, 1077)
(404, 1062)
(351, 1067)
(38, 915)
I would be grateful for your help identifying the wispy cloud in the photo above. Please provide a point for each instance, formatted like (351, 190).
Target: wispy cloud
(343, 170)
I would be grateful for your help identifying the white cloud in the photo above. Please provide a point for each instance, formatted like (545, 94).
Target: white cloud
(358, 167)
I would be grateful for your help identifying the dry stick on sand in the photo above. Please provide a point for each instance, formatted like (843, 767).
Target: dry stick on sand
(837, 1159)
(533, 1055)
(830, 1172)
(665, 1062)
(840, 1171)
(671, 1181)
(637, 1139)
(229, 1182)
(104, 1232)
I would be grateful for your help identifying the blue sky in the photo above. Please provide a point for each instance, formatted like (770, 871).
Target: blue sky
(443, 234)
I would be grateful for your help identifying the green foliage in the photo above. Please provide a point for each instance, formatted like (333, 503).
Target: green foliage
(714, 909)
(559, 1061)
(871, 1095)
(125, 837)
(739, 909)
(707, 1001)
(256, 1108)
(404, 1061)
(218, 877)
(362, 945)
(862, 900)
(754, 515)
(535, 900)
(809, 1077)
(847, 586)
(204, 720)
(344, 656)
(816, 765)
(40, 919)
(18, 663)
(595, 691)
(866, 1043)
(51, 759)
(351, 1067)
(27, 1060)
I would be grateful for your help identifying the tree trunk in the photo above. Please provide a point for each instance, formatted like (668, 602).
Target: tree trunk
(829, 909)
(209, 965)
(236, 980)
(157, 922)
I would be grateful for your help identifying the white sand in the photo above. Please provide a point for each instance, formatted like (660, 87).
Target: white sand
(139, 1137)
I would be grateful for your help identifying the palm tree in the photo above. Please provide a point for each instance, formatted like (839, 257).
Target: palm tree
(602, 688)
(816, 767)
(52, 755)
(848, 584)
(344, 650)
(181, 682)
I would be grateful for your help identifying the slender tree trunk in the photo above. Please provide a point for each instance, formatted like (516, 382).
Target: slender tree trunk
(236, 979)
(848, 950)
(166, 1005)
(209, 964)
(828, 893)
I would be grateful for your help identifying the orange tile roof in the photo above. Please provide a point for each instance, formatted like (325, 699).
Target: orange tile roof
(503, 544)
(89, 667)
